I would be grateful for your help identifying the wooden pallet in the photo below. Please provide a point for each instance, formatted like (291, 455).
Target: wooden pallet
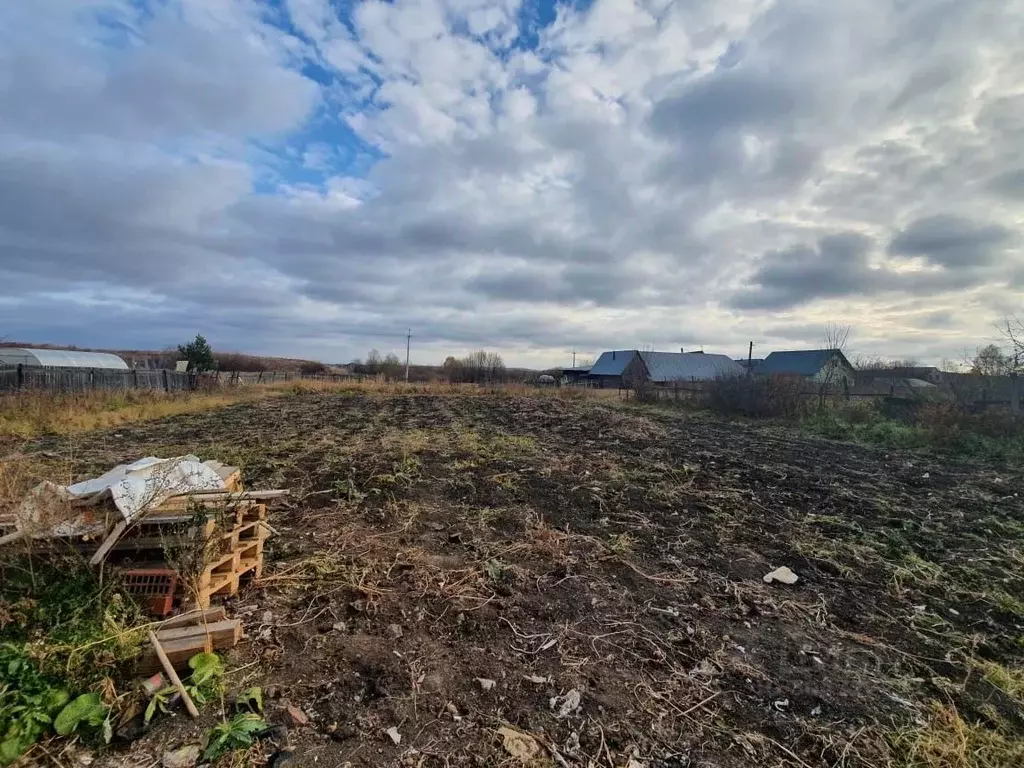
(223, 576)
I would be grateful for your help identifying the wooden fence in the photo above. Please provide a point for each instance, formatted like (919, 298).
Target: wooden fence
(682, 391)
(24, 377)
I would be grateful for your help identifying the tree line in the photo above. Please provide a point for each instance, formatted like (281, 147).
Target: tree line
(475, 368)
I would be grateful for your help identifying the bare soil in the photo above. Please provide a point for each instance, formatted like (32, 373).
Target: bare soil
(435, 543)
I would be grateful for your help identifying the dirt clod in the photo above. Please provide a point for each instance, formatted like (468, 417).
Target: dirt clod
(183, 757)
(296, 717)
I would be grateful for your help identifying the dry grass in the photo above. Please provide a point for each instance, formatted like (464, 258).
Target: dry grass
(946, 740)
(390, 388)
(29, 414)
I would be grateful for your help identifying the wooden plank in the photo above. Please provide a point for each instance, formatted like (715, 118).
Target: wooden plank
(233, 481)
(165, 662)
(223, 634)
(108, 543)
(177, 651)
(10, 538)
(217, 495)
(209, 616)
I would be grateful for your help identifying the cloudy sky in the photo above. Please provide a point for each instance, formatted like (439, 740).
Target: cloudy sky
(312, 177)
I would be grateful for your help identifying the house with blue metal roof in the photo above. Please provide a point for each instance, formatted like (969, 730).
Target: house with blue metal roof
(610, 366)
(666, 367)
(824, 366)
(624, 367)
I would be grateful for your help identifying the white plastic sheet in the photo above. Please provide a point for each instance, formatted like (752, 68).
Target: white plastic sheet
(55, 510)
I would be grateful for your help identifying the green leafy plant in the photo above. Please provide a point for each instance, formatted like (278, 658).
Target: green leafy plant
(252, 699)
(28, 702)
(237, 733)
(203, 685)
(88, 709)
(495, 570)
(159, 700)
(32, 704)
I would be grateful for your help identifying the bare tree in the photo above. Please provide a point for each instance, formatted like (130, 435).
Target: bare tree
(1011, 328)
(874, 363)
(475, 368)
(990, 361)
(391, 366)
(836, 336)
(373, 362)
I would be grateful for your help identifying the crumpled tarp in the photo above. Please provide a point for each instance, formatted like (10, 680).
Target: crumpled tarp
(56, 510)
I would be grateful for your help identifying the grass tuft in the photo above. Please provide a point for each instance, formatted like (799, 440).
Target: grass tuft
(946, 740)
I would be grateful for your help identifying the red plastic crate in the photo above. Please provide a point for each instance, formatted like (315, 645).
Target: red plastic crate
(157, 584)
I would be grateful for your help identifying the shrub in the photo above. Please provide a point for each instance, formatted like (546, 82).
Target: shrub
(940, 420)
(760, 397)
(312, 369)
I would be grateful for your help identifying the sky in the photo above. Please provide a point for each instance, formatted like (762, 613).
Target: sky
(312, 178)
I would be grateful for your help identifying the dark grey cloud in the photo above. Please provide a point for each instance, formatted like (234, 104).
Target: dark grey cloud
(738, 128)
(839, 267)
(1009, 184)
(951, 241)
(726, 102)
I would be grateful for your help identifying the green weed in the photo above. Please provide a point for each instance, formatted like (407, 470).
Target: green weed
(61, 632)
(1006, 602)
(622, 544)
(239, 732)
(1009, 681)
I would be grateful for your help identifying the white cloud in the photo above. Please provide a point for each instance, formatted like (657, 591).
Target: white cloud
(655, 172)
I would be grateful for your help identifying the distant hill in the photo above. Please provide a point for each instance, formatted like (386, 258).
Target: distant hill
(166, 358)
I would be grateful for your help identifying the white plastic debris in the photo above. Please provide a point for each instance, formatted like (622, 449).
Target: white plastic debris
(782, 575)
(394, 735)
(53, 510)
(486, 683)
(567, 704)
(705, 669)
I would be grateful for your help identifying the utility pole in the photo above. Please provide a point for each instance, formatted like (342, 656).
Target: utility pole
(750, 359)
(408, 339)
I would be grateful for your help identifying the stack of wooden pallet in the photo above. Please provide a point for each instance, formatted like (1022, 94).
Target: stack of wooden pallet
(219, 534)
(189, 549)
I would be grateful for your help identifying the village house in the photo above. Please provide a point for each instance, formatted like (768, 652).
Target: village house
(821, 366)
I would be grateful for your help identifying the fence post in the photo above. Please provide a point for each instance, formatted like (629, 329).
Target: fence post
(92, 378)
(135, 378)
(167, 386)
(21, 376)
(1014, 393)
